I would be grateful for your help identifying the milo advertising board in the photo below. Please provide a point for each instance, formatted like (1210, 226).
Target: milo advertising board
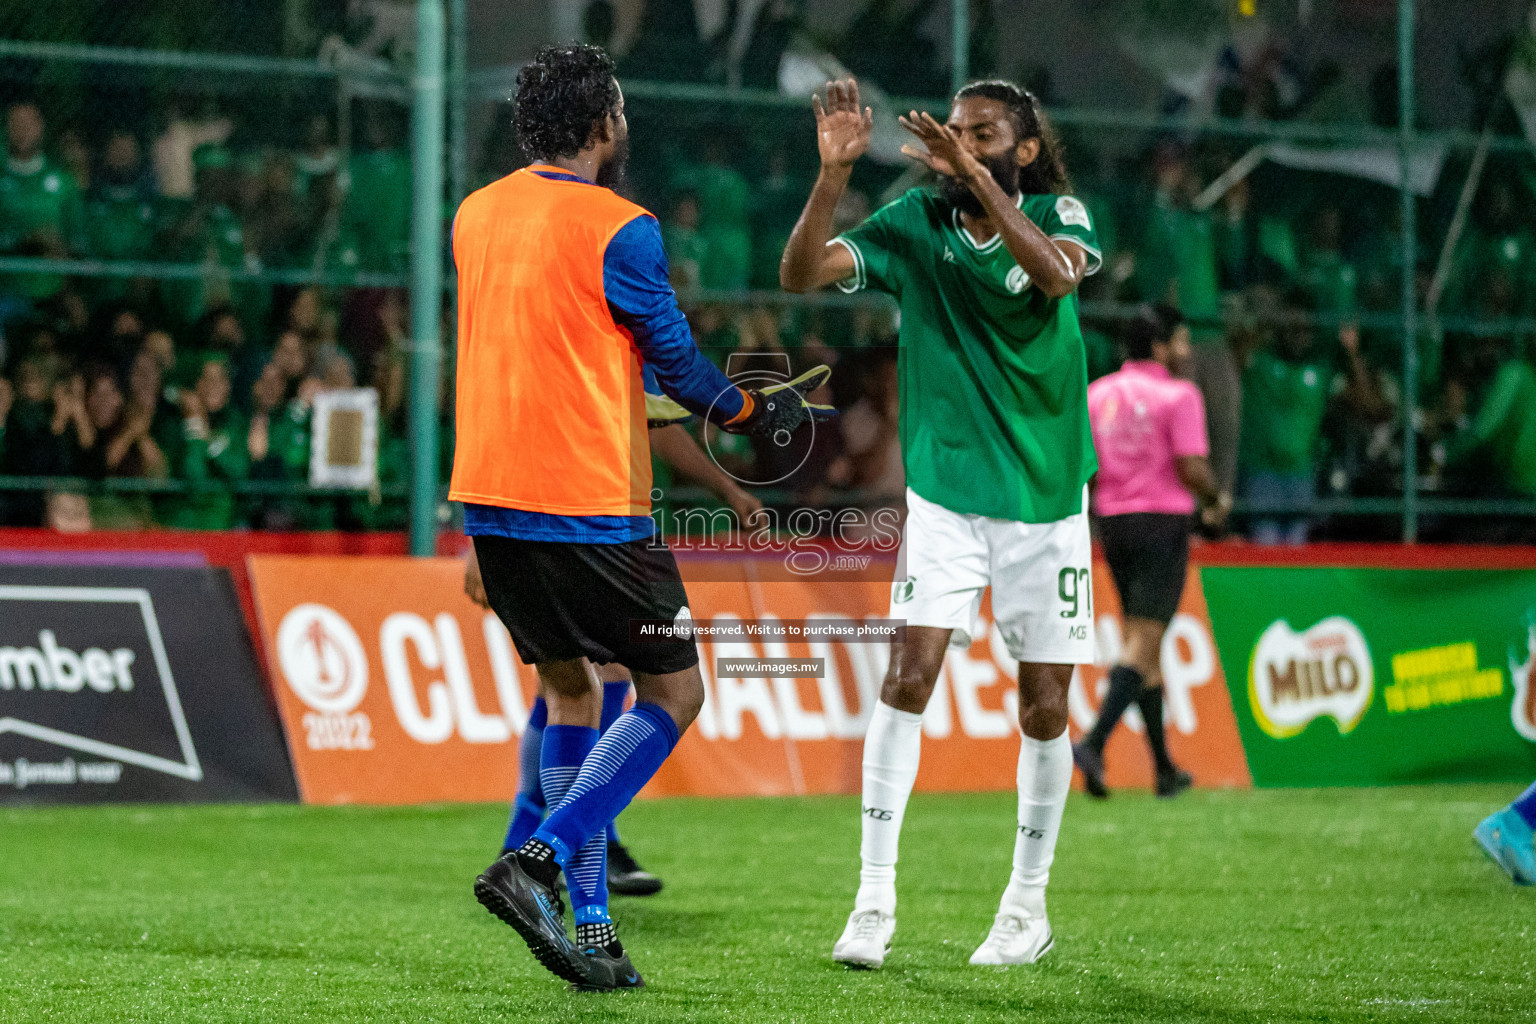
(1349, 676)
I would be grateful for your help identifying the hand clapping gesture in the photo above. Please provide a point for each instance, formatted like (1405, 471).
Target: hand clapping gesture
(943, 153)
(842, 128)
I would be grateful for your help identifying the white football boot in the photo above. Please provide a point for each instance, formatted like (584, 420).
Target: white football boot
(866, 939)
(1016, 938)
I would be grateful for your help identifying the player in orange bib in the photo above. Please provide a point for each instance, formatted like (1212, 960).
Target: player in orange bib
(563, 295)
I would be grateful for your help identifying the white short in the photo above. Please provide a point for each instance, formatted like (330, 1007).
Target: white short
(1040, 573)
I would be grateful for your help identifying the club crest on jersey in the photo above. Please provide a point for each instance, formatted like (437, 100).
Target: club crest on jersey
(1294, 677)
(901, 592)
(1016, 280)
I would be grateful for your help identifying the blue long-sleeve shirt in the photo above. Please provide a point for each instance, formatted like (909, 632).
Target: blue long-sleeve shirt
(640, 296)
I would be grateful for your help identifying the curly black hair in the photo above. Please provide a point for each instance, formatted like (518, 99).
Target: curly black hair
(1048, 174)
(563, 97)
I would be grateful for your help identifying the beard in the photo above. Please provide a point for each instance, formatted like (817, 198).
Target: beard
(611, 174)
(1004, 170)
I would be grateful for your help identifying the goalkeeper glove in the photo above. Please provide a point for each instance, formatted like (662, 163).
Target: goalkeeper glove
(661, 411)
(778, 410)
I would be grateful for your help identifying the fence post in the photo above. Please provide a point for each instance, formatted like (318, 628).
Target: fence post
(426, 270)
(959, 45)
(1405, 123)
(458, 114)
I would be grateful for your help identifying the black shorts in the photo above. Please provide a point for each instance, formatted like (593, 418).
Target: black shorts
(562, 600)
(1148, 555)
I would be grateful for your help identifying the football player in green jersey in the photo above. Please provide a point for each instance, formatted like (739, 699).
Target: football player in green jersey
(40, 212)
(997, 449)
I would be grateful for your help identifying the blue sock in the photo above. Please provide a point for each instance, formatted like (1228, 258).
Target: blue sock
(528, 810)
(566, 747)
(614, 696)
(622, 762)
(1525, 805)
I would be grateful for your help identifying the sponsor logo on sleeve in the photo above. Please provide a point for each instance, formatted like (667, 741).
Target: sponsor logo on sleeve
(1070, 210)
(1294, 677)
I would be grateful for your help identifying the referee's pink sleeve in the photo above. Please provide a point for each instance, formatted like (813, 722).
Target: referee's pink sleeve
(1186, 424)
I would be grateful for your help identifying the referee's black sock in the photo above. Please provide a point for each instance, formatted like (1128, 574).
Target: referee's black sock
(1124, 684)
(1150, 701)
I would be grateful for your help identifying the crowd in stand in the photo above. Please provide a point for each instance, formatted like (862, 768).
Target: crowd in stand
(1290, 280)
(200, 380)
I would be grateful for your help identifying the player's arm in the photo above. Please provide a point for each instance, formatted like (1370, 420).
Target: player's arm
(641, 299)
(1492, 416)
(1056, 269)
(811, 260)
(678, 449)
(1190, 445)
(1198, 479)
(643, 302)
(1360, 386)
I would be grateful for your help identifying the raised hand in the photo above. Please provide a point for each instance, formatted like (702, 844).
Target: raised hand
(191, 405)
(943, 153)
(1349, 339)
(842, 129)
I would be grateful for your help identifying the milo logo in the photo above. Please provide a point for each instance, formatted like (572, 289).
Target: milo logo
(1294, 677)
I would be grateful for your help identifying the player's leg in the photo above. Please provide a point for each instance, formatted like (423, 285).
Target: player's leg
(565, 606)
(528, 809)
(624, 758)
(574, 696)
(1170, 779)
(625, 875)
(1148, 554)
(1123, 542)
(573, 699)
(1021, 932)
(1042, 600)
(1507, 837)
(636, 581)
(1137, 668)
(1160, 577)
(892, 746)
(937, 595)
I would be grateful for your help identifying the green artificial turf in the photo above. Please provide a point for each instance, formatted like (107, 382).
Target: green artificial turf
(1342, 905)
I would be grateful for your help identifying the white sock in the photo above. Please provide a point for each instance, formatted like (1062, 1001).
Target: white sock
(891, 749)
(1045, 776)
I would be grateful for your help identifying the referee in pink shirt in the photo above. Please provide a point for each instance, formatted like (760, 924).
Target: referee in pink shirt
(1149, 430)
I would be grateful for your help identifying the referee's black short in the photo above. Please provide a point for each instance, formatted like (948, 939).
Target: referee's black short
(561, 600)
(1148, 555)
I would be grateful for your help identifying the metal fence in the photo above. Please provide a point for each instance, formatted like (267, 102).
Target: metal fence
(454, 126)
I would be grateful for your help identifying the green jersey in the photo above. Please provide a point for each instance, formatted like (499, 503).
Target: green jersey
(38, 198)
(378, 207)
(212, 455)
(1183, 270)
(993, 375)
(1283, 407)
(1504, 429)
(39, 204)
(120, 223)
